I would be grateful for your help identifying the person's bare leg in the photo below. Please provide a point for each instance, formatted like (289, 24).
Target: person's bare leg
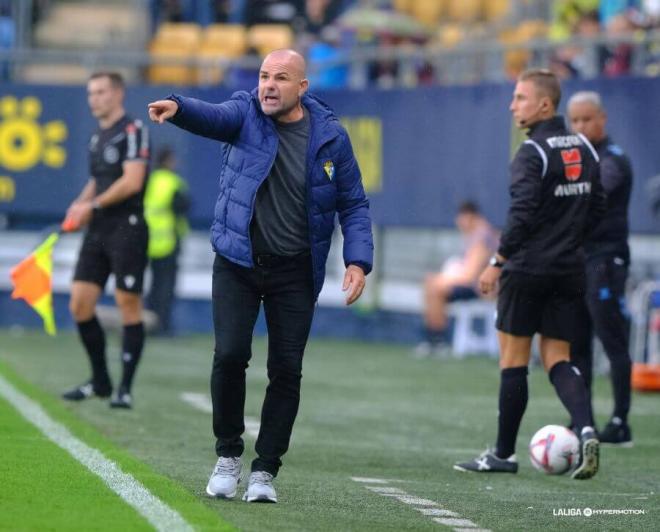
(435, 302)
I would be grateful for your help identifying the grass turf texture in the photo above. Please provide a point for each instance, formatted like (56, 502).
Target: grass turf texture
(45, 488)
(367, 410)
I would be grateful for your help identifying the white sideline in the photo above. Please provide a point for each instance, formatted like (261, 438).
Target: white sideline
(159, 514)
(202, 402)
(426, 507)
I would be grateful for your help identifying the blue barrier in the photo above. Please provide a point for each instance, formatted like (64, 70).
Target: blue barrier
(422, 151)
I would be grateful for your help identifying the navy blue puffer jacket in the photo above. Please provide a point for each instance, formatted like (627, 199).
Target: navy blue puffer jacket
(334, 184)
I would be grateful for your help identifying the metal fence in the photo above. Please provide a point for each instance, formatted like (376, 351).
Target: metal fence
(466, 63)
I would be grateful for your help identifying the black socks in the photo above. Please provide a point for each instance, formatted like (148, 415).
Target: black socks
(572, 392)
(512, 404)
(620, 375)
(132, 344)
(93, 338)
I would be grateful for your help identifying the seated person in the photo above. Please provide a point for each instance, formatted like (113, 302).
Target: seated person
(458, 278)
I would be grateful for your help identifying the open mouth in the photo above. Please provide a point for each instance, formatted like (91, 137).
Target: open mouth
(270, 99)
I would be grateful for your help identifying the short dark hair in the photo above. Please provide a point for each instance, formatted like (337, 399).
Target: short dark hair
(468, 207)
(116, 79)
(545, 81)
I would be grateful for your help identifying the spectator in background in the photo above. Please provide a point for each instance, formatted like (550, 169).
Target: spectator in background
(581, 61)
(275, 12)
(609, 9)
(166, 203)
(320, 54)
(566, 14)
(458, 278)
(320, 13)
(7, 35)
(619, 56)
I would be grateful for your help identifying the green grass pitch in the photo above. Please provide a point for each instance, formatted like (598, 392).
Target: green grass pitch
(367, 410)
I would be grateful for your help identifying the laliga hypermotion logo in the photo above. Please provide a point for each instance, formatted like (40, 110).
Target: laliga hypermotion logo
(24, 142)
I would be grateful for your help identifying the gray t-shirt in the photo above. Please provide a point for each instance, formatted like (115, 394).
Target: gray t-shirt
(279, 226)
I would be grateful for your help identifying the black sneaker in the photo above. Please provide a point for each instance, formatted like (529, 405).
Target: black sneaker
(589, 454)
(87, 390)
(487, 462)
(616, 432)
(122, 399)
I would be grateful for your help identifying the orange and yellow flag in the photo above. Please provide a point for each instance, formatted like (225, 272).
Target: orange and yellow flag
(32, 280)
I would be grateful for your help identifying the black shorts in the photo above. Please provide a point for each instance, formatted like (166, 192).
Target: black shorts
(118, 247)
(545, 304)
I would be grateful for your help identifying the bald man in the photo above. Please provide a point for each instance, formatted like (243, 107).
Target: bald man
(288, 170)
(608, 256)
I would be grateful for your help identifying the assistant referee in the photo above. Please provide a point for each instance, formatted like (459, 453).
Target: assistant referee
(116, 239)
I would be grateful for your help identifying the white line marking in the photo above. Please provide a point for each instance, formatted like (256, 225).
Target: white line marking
(386, 490)
(198, 400)
(368, 480)
(453, 521)
(428, 507)
(437, 512)
(416, 501)
(160, 515)
(252, 426)
(202, 402)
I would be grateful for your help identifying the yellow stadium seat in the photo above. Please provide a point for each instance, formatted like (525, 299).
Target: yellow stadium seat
(516, 59)
(230, 38)
(268, 37)
(403, 6)
(496, 9)
(219, 41)
(532, 29)
(184, 34)
(175, 41)
(428, 12)
(449, 35)
(465, 10)
(174, 74)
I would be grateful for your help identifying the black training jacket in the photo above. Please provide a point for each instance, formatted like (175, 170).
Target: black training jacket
(556, 195)
(609, 238)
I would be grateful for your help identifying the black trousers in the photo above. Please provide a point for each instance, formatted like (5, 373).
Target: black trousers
(604, 312)
(285, 286)
(163, 284)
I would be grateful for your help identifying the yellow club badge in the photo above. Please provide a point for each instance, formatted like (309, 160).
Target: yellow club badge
(329, 168)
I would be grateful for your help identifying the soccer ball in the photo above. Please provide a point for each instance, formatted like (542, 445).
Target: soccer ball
(554, 450)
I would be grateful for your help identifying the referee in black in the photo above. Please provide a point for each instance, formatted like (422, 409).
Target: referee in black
(116, 239)
(604, 310)
(555, 196)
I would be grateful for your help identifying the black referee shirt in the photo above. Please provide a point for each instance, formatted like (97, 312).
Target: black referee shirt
(556, 195)
(126, 140)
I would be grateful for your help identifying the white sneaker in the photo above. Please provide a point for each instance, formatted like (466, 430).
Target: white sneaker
(225, 478)
(260, 488)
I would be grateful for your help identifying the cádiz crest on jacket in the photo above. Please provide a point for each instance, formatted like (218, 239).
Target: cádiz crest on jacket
(329, 168)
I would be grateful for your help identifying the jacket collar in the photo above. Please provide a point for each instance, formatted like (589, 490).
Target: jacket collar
(602, 143)
(547, 126)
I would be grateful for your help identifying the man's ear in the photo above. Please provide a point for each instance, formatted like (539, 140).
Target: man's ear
(304, 85)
